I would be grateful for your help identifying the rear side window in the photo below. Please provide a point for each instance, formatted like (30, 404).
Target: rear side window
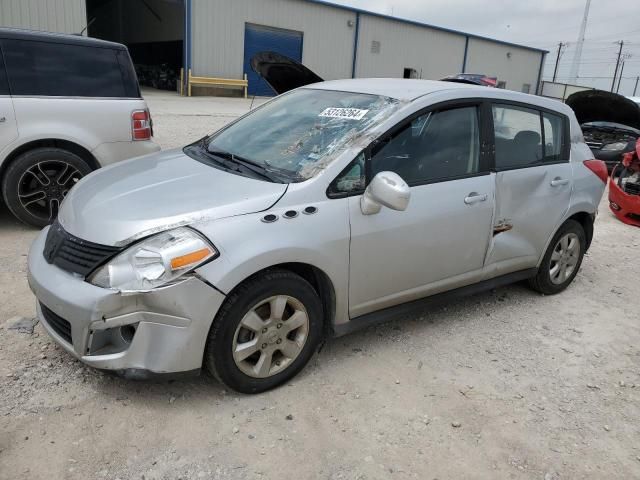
(54, 69)
(518, 136)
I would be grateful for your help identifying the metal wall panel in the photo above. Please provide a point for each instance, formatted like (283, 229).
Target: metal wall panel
(516, 66)
(218, 34)
(61, 16)
(432, 53)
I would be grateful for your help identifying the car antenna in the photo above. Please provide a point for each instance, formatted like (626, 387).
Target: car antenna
(87, 26)
(251, 106)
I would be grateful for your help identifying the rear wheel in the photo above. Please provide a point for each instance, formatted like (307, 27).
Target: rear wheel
(562, 260)
(37, 181)
(265, 333)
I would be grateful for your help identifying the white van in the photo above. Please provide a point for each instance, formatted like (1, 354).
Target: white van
(68, 105)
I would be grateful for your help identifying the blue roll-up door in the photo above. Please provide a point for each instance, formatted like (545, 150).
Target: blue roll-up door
(258, 38)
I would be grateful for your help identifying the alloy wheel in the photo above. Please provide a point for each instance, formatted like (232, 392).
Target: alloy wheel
(42, 187)
(564, 258)
(270, 336)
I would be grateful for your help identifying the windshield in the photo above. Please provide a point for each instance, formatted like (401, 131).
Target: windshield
(299, 133)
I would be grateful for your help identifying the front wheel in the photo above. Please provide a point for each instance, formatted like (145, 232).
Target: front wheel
(265, 332)
(562, 259)
(37, 181)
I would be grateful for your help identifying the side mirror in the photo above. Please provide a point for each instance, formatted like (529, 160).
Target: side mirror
(387, 189)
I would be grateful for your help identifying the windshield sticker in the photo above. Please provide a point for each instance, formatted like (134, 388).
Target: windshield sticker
(348, 113)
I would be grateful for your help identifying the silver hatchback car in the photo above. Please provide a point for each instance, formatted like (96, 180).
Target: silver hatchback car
(327, 209)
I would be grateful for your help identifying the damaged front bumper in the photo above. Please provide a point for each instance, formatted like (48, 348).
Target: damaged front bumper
(625, 206)
(162, 331)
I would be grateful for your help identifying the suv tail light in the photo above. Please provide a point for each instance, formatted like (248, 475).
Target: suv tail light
(141, 126)
(599, 168)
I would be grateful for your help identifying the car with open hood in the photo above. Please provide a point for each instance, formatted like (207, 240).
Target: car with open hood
(333, 206)
(610, 123)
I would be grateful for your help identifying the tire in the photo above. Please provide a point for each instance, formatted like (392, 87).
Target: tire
(24, 187)
(261, 295)
(550, 283)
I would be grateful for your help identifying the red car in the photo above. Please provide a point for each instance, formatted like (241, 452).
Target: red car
(624, 188)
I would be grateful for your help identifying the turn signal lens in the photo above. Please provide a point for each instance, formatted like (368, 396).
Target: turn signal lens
(190, 258)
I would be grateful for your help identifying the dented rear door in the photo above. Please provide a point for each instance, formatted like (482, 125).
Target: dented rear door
(533, 184)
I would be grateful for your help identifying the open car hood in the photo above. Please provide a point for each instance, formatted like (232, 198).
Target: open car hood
(282, 73)
(601, 106)
(472, 79)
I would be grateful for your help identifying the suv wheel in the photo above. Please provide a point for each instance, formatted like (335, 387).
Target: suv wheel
(265, 333)
(562, 259)
(37, 181)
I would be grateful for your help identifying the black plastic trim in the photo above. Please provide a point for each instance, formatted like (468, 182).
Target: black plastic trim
(391, 313)
(142, 374)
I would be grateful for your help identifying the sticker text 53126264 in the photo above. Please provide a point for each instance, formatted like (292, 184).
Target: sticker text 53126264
(348, 113)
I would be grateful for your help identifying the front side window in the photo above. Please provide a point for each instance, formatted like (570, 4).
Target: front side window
(435, 146)
(55, 69)
(298, 134)
(518, 136)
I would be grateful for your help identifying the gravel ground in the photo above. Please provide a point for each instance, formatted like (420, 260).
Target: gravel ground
(507, 384)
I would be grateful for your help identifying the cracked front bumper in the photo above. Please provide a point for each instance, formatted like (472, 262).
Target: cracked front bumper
(167, 328)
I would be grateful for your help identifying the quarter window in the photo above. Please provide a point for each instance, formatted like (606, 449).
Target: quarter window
(4, 85)
(55, 69)
(352, 179)
(553, 137)
(435, 146)
(518, 136)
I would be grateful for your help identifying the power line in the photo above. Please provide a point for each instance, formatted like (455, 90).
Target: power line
(617, 64)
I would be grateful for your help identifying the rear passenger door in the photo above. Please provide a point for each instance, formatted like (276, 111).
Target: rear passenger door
(533, 183)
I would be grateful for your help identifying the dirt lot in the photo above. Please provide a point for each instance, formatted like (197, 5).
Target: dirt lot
(507, 384)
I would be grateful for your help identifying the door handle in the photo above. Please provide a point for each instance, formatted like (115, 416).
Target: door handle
(474, 197)
(556, 182)
(3, 119)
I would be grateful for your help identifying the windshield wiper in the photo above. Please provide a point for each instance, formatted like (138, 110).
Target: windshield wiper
(248, 164)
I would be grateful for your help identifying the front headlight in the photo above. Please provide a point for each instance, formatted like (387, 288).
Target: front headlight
(159, 260)
(614, 147)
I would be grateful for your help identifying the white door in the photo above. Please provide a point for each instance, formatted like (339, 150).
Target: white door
(8, 129)
(440, 241)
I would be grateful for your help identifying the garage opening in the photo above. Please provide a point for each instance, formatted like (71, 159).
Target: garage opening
(261, 38)
(153, 30)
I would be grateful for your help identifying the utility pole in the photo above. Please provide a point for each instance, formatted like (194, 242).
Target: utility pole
(635, 89)
(555, 70)
(578, 55)
(615, 73)
(620, 79)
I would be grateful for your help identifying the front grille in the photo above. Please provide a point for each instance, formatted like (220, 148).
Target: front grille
(634, 216)
(74, 254)
(57, 323)
(632, 188)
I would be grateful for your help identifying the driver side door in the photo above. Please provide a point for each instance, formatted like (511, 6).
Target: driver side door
(440, 241)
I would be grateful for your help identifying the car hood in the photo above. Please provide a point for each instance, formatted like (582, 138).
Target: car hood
(601, 106)
(282, 73)
(610, 126)
(136, 198)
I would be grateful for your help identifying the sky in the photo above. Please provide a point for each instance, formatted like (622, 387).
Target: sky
(542, 24)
